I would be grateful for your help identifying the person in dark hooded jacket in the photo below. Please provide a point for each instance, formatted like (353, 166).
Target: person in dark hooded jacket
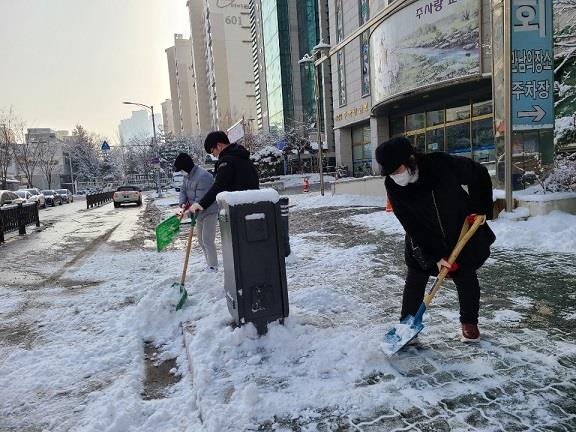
(234, 169)
(428, 199)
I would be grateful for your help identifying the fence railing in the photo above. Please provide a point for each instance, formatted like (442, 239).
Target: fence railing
(94, 200)
(17, 217)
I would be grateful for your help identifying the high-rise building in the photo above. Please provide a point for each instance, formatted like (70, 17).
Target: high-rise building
(283, 32)
(167, 117)
(137, 126)
(259, 64)
(222, 61)
(182, 87)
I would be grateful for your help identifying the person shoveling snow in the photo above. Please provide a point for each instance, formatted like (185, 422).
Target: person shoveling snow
(427, 197)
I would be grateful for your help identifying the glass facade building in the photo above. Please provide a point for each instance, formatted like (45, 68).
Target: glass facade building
(290, 30)
(275, 26)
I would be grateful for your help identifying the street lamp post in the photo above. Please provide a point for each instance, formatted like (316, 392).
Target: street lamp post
(151, 108)
(72, 175)
(310, 59)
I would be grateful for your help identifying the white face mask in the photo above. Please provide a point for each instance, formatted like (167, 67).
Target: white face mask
(404, 178)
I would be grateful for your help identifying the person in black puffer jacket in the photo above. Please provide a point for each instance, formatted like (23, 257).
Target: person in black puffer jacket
(428, 199)
(234, 169)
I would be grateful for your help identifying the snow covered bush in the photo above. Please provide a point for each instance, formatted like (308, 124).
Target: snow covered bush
(564, 131)
(562, 176)
(267, 160)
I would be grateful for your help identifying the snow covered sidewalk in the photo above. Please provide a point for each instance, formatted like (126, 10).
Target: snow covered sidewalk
(323, 369)
(85, 368)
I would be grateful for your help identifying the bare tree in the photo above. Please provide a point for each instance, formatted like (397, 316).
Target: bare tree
(7, 141)
(47, 160)
(298, 142)
(26, 153)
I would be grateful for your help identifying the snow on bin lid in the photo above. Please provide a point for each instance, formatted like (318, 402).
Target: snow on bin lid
(248, 197)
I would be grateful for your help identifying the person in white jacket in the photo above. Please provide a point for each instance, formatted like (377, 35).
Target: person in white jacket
(197, 181)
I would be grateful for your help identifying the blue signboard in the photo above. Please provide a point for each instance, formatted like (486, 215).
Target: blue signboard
(532, 65)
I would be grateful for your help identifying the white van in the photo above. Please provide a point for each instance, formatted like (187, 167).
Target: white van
(177, 179)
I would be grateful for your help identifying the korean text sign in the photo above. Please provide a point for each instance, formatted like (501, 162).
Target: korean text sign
(532, 65)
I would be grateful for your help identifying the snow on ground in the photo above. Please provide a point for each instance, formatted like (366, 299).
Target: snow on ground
(315, 200)
(322, 368)
(554, 232)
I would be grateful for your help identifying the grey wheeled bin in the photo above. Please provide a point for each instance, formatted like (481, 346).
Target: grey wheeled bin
(253, 254)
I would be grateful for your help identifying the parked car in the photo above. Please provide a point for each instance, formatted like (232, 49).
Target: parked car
(66, 195)
(8, 197)
(126, 195)
(26, 196)
(37, 196)
(52, 197)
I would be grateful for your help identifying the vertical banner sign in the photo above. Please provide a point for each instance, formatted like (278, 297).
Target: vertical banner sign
(532, 65)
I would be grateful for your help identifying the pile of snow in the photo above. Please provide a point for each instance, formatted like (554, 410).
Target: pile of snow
(248, 197)
(554, 232)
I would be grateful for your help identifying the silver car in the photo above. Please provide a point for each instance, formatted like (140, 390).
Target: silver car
(37, 196)
(66, 195)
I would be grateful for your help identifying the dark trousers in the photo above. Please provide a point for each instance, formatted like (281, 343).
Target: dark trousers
(466, 283)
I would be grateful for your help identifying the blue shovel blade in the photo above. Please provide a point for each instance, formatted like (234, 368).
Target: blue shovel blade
(401, 334)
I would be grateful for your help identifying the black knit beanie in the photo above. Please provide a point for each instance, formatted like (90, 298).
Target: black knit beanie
(393, 153)
(183, 162)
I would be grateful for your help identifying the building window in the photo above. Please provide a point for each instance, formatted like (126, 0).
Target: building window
(458, 139)
(365, 62)
(464, 130)
(396, 126)
(435, 140)
(361, 151)
(363, 11)
(340, 56)
(415, 121)
(483, 140)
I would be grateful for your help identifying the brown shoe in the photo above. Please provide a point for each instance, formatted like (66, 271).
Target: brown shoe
(470, 333)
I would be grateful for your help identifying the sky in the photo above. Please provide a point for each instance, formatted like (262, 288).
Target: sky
(68, 62)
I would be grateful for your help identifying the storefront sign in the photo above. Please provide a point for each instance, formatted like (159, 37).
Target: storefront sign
(426, 42)
(352, 112)
(532, 65)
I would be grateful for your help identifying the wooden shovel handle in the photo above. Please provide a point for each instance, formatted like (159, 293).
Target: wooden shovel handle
(188, 246)
(465, 234)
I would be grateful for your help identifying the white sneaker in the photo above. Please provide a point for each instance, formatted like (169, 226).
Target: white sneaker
(211, 269)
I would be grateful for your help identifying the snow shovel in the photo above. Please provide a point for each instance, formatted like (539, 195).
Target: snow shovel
(401, 334)
(181, 288)
(167, 230)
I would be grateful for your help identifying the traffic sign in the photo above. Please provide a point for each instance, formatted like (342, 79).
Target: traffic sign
(532, 65)
(105, 146)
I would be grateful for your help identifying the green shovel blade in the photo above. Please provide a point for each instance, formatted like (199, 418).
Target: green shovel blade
(182, 295)
(166, 231)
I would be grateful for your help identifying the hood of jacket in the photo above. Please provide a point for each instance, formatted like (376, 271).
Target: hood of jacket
(236, 151)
